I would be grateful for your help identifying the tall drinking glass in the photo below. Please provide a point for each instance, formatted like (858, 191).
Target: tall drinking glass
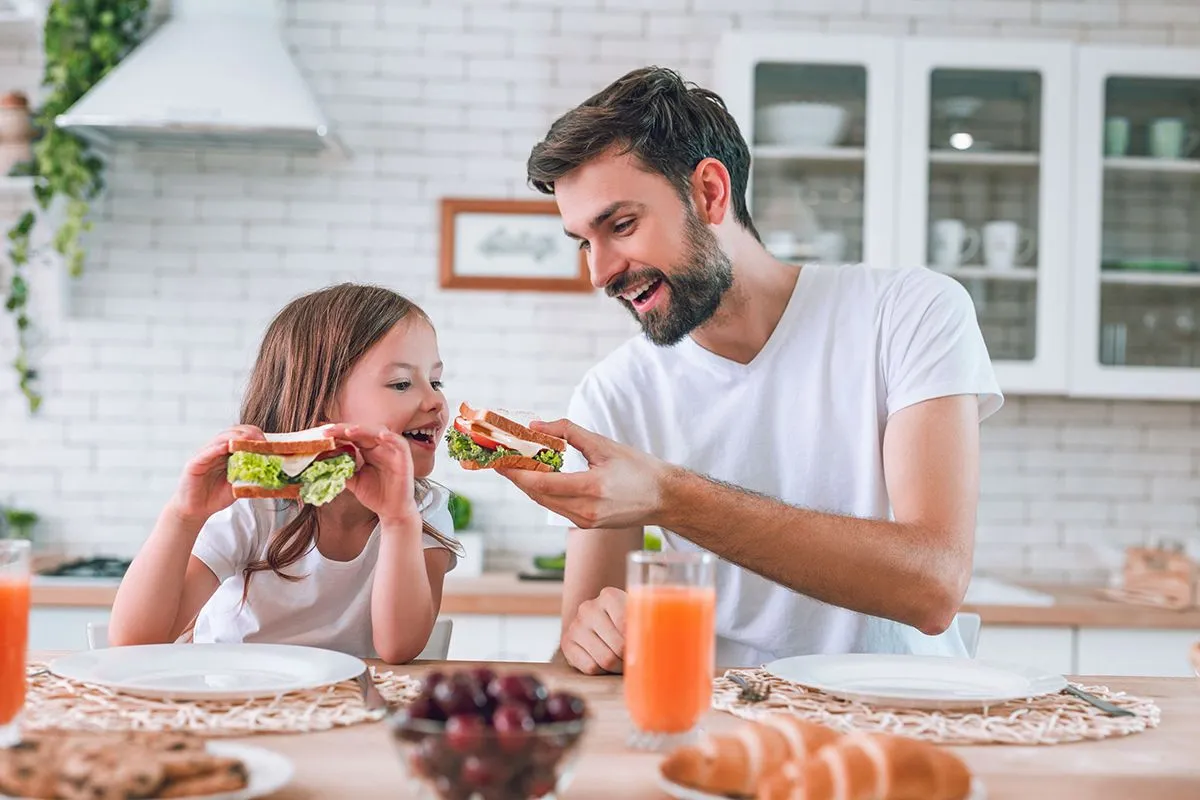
(14, 635)
(670, 643)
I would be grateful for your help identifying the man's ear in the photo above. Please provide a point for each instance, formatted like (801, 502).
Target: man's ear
(711, 191)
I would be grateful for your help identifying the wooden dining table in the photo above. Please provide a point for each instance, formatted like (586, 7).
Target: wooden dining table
(362, 762)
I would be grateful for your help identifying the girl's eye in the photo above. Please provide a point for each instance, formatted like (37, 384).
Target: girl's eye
(437, 385)
(400, 386)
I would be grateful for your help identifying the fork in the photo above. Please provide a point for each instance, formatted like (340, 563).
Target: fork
(372, 699)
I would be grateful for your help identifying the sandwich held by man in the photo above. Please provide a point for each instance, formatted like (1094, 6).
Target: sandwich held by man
(487, 439)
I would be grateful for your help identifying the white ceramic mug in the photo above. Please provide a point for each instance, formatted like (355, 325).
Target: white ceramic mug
(953, 242)
(1169, 138)
(1005, 245)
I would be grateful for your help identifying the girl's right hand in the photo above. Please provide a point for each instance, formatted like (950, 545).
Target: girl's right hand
(203, 489)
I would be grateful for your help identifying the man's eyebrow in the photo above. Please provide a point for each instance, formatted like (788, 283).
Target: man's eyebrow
(605, 214)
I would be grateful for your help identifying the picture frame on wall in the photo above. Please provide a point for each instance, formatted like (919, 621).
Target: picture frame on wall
(508, 245)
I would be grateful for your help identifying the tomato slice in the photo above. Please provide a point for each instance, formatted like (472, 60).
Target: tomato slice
(463, 426)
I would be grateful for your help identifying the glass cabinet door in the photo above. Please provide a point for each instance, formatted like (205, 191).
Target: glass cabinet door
(1139, 228)
(819, 117)
(984, 184)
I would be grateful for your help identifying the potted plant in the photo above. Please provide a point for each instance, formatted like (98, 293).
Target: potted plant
(19, 523)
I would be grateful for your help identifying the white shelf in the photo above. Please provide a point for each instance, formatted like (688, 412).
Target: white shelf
(1021, 274)
(1146, 278)
(1145, 164)
(984, 159)
(784, 152)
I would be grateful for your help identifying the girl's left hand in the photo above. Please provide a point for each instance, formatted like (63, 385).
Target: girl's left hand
(384, 483)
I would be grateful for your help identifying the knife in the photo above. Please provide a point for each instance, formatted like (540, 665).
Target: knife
(1103, 705)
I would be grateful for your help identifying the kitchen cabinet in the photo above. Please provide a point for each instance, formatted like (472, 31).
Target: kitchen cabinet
(1137, 224)
(1058, 182)
(63, 627)
(1122, 651)
(1050, 649)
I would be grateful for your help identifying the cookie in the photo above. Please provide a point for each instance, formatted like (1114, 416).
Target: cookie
(181, 766)
(229, 776)
(27, 769)
(107, 770)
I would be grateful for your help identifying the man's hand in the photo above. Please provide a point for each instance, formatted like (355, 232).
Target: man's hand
(594, 642)
(621, 488)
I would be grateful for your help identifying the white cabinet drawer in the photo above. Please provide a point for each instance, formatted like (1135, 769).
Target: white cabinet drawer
(1050, 649)
(62, 627)
(476, 637)
(1135, 651)
(530, 638)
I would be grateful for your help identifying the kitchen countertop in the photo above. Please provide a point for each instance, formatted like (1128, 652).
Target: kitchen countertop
(1158, 764)
(504, 594)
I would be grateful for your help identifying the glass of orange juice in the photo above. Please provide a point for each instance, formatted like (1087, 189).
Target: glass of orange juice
(14, 634)
(670, 642)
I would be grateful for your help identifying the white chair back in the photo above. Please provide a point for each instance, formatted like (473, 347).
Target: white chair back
(438, 646)
(97, 635)
(968, 627)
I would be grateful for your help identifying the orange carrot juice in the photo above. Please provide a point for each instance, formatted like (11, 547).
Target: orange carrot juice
(14, 632)
(669, 655)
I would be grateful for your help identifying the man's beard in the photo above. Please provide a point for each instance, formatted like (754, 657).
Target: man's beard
(696, 288)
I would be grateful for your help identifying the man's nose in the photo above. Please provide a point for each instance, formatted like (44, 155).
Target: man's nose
(604, 265)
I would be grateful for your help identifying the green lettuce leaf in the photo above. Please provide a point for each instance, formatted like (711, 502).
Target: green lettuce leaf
(462, 448)
(551, 457)
(264, 470)
(325, 480)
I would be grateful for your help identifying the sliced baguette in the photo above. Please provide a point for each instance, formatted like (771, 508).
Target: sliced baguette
(512, 428)
(290, 492)
(310, 447)
(510, 462)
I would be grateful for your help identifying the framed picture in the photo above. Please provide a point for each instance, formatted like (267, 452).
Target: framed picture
(515, 245)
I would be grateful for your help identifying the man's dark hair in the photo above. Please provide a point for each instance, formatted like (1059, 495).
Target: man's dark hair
(669, 124)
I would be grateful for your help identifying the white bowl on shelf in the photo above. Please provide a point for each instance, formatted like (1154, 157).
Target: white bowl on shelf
(801, 124)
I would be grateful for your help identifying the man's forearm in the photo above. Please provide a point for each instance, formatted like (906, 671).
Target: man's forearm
(897, 571)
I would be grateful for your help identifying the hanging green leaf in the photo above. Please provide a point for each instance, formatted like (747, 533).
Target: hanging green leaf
(83, 40)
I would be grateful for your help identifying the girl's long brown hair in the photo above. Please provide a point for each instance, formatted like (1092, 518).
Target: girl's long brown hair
(306, 354)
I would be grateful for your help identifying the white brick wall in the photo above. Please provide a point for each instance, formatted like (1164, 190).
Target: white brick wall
(193, 253)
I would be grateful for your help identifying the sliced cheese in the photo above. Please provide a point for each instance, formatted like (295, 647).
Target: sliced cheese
(294, 465)
(527, 449)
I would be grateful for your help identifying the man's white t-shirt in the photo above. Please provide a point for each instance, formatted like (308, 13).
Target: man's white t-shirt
(802, 422)
(330, 607)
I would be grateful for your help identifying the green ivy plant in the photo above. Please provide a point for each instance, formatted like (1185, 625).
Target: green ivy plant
(83, 40)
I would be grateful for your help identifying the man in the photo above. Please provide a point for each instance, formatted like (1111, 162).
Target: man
(815, 428)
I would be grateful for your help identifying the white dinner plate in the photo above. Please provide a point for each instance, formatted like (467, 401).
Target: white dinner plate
(684, 793)
(925, 682)
(267, 771)
(208, 671)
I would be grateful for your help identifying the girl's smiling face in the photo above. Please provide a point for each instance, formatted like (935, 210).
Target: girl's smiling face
(397, 384)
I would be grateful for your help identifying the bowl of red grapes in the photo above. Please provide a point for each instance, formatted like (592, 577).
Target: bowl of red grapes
(473, 734)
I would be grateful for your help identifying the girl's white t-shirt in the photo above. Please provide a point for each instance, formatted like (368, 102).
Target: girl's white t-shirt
(329, 607)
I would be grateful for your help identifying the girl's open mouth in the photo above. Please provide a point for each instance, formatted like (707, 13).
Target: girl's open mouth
(423, 437)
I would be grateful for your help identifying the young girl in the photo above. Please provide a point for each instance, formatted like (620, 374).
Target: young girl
(362, 574)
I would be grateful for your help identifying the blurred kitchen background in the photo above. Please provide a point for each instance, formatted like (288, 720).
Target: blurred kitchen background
(1013, 143)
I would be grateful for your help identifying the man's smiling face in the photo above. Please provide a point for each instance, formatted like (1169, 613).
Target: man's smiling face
(644, 245)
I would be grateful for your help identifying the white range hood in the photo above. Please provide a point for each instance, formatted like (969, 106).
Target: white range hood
(216, 73)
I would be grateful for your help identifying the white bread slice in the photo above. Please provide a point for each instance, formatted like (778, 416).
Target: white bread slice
(507, 425)
(509, 462)
(309, 442)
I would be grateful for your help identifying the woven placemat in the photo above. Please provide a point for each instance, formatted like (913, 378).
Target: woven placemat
(1050, 719)
(55, 703)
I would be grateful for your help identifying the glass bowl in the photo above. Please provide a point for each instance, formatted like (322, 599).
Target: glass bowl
(488, 739)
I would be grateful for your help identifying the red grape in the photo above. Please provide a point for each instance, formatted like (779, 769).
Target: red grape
(465, 732)
(459, 695)
(564, 707)
(480, 773)
(513, 725)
